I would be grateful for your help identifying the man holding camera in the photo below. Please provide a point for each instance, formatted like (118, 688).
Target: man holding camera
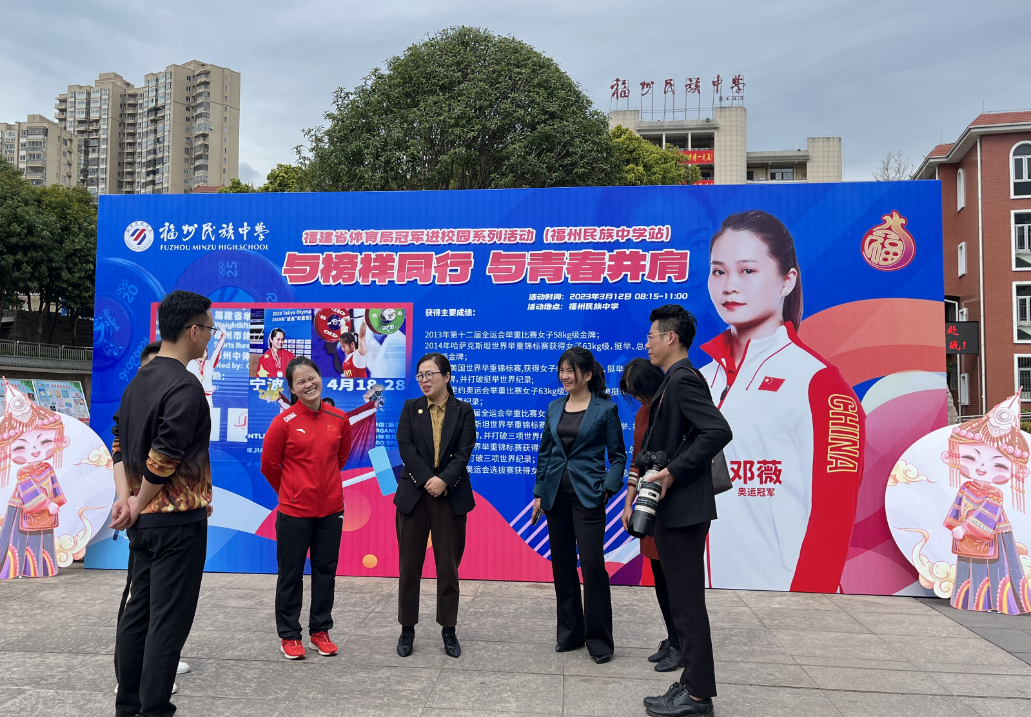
(691, 431)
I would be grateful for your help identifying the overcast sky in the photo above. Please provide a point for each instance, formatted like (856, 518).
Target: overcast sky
(883, 75)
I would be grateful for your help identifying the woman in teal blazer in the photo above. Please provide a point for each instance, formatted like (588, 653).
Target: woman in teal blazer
(573, 487)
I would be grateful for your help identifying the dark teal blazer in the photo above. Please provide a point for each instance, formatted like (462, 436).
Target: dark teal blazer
(600, 430)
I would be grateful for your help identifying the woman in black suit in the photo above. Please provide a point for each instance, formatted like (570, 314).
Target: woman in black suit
(573, 488)
(436, 435)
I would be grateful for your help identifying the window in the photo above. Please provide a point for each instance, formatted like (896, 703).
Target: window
(1021, 240)
(961, 258)
(961, 189)
(964, 389)
(1023, 371)
(782, 174)
(1022, 312)
(1021, 165)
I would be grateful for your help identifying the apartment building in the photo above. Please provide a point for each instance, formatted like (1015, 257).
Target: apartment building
(718, 144)
(44, 151)
(986, 206)
(179, 130)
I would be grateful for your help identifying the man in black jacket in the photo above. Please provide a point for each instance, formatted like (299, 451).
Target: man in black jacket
(691, 431)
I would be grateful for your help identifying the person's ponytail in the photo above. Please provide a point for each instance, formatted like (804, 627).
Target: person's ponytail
(582, 361)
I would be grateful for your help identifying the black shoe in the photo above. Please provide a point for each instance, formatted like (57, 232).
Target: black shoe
(672, 692)
(682, 705)
(405, 644)
(567, 648)
(663, 649)
(601, 659)
(451, 646)
(670, 662)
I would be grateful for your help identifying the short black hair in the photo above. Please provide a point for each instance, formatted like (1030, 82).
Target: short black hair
(150, 349)
(330, 401)
(640, 379)
(178, 311)
(348, 338)
(675, 318)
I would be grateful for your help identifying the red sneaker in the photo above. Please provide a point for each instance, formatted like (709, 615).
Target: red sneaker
(293, 649)
(320, 641)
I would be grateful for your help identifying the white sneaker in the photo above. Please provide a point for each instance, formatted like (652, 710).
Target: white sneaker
(182, 669)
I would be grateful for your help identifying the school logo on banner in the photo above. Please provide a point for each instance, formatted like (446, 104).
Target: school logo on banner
(139, 236)
(888, 246)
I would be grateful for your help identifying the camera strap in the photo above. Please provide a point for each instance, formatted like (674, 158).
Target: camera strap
(651, 424)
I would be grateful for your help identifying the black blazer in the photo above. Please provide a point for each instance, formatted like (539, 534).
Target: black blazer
(687, 410)
(415, 443)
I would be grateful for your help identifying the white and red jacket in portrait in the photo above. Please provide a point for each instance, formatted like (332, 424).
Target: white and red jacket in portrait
(796, 462)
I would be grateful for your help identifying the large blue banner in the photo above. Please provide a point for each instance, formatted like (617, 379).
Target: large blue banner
(822, 393)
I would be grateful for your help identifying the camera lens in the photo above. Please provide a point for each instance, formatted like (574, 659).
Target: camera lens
(642, 519)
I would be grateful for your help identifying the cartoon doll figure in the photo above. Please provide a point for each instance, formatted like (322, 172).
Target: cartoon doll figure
(32, 437)
(983, 455)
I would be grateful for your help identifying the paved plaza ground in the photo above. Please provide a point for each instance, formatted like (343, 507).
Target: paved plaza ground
(776, 654)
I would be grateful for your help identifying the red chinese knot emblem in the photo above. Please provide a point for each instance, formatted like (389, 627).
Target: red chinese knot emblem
(888, 246)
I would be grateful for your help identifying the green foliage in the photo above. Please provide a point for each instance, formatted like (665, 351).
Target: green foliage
(642, 162)
(283, 178)
(48, 247)
(235, 186)
(466, 109)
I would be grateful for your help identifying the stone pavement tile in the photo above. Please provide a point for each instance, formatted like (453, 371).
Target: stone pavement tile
(808, 620)
(9, 693)
(749, 645)
(1016, 667)
(731, 616)
(893, 681)
(365, 586)
(427, 606)
(629, 663)
(380, 650)
(248, 679)
(754, 701)
(508, 629)
(485, 656)
(84, 640)
(25, 669)
(254, 645)
(989, 707)
(836, 644)
(217, 617)
(609, 697)
(95, 674)
(220, 580)
(791, 601)
(541, 608)
(975, 618)
(49, 703)
(220, 707)
(760, 673)
(1009, 639)
(431, 712)
(868, 704)
(363, 603)
(986, 685)
(263, 581)
(879, 603)
(208, 643)
(315, 705)
(490, 588)
(727, 598)
(233, 598)
(368, 686)
(930, 624)
(498, 691)
(948, 649)
(635, 631)
(1025, 656)
(385, 625)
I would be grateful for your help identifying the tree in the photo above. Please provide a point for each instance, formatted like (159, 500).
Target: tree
(27, 234)
(283, 178)
(894, 167)
(643, 162)
(235, 186)
(72, 267)
(466, 109)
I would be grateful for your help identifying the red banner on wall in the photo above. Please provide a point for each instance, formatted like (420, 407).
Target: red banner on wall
(700, 156)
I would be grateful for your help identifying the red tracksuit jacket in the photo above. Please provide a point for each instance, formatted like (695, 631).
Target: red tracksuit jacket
(302, 456)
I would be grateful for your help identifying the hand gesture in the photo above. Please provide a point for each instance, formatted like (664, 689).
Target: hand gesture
(627, 510)
(958, 532)
(664, 478)
(120, 514)
(436, 487)
(52, 508)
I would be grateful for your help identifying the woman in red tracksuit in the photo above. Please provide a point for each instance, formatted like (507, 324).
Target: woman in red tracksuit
(305, 448)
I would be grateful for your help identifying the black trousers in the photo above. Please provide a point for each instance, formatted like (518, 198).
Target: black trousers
(662, 595)
(430, 516)
(167, 567)
(572, 528)
(682, 552)
(318, 538)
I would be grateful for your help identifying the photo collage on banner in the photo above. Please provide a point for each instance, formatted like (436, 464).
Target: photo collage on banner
(823, 397)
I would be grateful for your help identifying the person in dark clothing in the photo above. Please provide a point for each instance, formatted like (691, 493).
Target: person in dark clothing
(640, 381)
(163, 479)
(573, 487)
(304, 450)
(436, 435)
(688, 427)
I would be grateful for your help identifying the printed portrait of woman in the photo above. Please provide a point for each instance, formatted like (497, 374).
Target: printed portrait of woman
(799, 430)
(273, 362)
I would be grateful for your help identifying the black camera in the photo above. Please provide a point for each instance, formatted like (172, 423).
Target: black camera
(642, 519)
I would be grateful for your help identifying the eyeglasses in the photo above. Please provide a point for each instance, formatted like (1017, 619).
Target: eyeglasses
(202, 326)
(657, 335)
(426, 376)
